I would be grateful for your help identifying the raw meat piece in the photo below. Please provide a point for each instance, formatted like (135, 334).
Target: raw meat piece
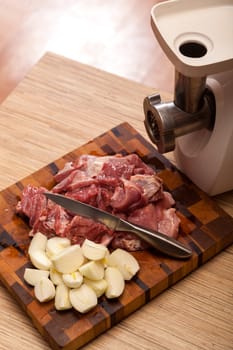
(51, 219)
(157, 217)
(136, 192)
(32, 204)
(80, 228)
(121, 185)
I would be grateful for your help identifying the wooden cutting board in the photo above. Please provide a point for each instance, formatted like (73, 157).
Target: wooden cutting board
(205, 227)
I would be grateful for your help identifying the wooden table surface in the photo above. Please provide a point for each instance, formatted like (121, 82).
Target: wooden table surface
(58, 107)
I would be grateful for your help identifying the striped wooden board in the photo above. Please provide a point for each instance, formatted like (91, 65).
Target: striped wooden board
(205, 227)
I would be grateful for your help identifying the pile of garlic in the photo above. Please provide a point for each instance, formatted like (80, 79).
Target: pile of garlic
(77, 276)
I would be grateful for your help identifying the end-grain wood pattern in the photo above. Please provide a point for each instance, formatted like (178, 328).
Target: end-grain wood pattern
(205, 227)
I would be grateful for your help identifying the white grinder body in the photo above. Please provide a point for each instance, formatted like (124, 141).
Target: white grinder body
(205, 156)
(197, 37)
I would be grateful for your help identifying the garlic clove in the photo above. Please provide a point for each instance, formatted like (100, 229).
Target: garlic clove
(94, 270)
(125, 262)
(73, 279)
(94, 251)
(99, 286)
(38, 242)
(55, 245)
(69, 259)
(62, 299)
(44, 290)
(55, 276)
(36, 252)
(32, 276)
(115, 282)
(83, 298)
(40, 260)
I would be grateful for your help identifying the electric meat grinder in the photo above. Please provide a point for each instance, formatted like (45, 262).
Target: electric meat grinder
(197, 37)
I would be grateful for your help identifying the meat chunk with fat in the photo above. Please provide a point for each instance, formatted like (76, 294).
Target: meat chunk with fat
(81, 228)
(122, 185)
(136, 192)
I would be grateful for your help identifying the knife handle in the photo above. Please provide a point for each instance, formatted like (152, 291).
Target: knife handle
(157, 240)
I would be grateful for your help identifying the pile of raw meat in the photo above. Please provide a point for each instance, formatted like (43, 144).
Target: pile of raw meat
(122, 185)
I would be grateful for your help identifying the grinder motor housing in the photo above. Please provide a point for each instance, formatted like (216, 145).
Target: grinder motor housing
(197, 36)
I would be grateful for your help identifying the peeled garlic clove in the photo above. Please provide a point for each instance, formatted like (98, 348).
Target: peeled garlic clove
(38, 242)
(44, 290)
(69, 259)
(32, 276)
(73, 279)
(36, 252)
(62, 299)
(115, 282)
(83, 298)
(56, 244)
(125, 262)
(94, 251)
(99, 286)
(40, 260)
(94, 270)
(55, 276)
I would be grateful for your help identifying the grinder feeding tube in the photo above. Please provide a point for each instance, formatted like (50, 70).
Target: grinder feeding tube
(197, 36)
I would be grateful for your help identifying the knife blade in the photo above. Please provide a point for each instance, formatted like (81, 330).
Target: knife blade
(157, 240)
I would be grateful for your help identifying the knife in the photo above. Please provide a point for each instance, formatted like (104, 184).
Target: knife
(157, 240)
